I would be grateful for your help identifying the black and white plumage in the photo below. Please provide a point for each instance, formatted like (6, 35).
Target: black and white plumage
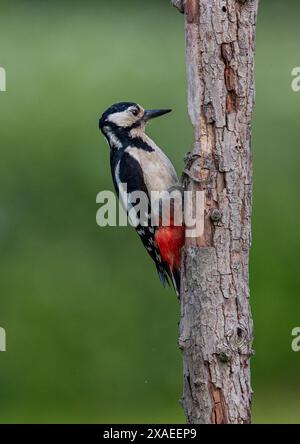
(140, 164)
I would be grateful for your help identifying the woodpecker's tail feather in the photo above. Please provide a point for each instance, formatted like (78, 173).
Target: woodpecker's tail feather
(175, 275)
(164, 278)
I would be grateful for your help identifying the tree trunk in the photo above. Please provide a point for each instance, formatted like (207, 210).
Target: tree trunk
(216, 325)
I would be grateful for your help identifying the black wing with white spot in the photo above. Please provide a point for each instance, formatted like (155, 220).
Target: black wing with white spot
(126, 170)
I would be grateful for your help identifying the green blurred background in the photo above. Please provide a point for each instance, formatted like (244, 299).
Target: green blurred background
(91, 334)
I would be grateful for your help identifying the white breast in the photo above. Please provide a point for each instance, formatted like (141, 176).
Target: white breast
(159, 173)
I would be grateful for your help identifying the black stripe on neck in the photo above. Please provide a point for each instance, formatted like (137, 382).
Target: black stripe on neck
(125, 138)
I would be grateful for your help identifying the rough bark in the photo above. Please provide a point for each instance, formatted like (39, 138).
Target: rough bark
(216, 325)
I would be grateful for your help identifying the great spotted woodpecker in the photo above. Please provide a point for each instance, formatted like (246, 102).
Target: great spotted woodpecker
(140, 164)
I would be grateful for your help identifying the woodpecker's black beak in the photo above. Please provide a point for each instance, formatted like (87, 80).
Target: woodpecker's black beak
(152, 113)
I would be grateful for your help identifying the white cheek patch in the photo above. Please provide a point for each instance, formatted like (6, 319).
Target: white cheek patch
(123, 119)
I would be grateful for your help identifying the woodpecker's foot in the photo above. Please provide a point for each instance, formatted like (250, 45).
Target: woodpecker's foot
(190, 158)
(178, 4)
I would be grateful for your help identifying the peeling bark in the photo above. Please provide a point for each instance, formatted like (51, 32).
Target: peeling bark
(216, 325)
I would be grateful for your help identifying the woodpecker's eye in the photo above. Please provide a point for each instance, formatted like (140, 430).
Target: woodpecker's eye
(135, 111)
